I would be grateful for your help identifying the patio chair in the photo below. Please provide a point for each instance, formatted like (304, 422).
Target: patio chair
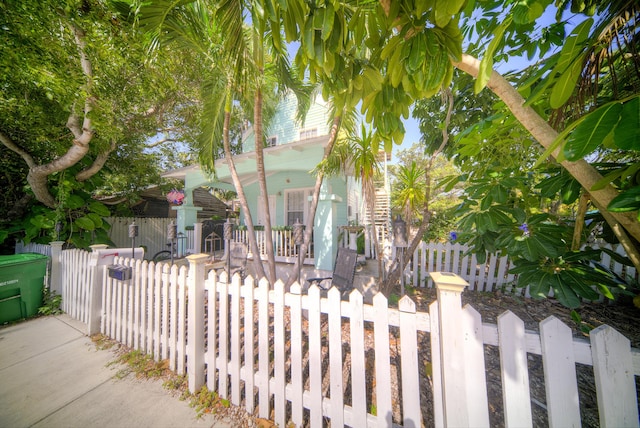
(344, 271)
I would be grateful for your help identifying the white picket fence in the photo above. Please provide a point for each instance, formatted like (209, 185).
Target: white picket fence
(44, 249)
(305, 358)
(77, 281)
(487, 276)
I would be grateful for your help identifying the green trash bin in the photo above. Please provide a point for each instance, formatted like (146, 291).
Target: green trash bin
(21, 284)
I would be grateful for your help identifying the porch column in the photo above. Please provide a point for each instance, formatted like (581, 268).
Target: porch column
(187, 215)
(325, 230)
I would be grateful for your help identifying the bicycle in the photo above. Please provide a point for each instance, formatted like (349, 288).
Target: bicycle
(165, 255)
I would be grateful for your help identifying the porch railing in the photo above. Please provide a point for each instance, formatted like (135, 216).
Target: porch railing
(283, 245)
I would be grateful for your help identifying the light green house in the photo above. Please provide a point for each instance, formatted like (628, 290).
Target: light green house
(294, 149)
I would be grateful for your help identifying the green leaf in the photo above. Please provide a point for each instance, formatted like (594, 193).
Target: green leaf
(84, 223)
(629, 200)
(96, 219)
(486, 65)
(538, 281)
(592, 131)
(564, 293)
(74, 202)
(566, 84)
(573, 46)
(99, 208)
(627, 133)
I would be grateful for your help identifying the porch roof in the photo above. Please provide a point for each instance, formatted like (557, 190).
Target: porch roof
(301, 155)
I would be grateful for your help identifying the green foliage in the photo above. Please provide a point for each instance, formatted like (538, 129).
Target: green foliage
(78, 214)
(205, 401)
(51, 302)
(499, 216)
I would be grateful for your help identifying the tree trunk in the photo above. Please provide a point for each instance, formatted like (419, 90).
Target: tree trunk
(582, 171)
(253, 244)
(262, 184)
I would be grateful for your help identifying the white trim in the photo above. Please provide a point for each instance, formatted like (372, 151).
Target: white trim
(308, 191)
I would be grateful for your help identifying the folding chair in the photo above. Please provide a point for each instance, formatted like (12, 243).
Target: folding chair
(344, 271)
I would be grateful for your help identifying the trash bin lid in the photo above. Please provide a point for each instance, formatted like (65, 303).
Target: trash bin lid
(16, 259)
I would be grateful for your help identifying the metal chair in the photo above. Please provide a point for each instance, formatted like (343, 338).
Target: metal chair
(344, 271)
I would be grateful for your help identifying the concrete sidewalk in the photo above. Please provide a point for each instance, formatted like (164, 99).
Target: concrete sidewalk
(51, 375)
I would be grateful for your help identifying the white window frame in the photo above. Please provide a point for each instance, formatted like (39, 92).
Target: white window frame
(272, 141)
(308, 133)
(308, 191)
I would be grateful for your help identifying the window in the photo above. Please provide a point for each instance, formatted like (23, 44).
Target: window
(297, 205)
(272, 141)
(308, 133)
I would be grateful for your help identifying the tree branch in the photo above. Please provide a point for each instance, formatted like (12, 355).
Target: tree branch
(97, 164)
(37, 177)
(582, 171)
(11, 145)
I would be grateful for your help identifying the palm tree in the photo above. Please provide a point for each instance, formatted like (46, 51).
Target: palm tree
(246, 64)
(410, 192)
(199, 28)
(360, 155)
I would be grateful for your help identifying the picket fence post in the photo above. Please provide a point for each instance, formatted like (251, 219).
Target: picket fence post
(449, 289)
(95, 291)
(195, 317)
(197, 237)
(56, 264)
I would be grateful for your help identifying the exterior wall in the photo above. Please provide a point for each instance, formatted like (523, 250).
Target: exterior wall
(279, 183)
(285, 127)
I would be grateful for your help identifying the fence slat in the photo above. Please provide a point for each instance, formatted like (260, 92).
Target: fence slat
(157, 309)
(279, 393)
(515, 376)
(297, 381)
(263, 351)
(223, 337)
(335, 358)
(358, 363)
(164, 341)
(382, 361)
(315, 358)
(409, 358)
(436, 365)
(173, 318)
(249, 346)
(182, 321)
(559, 374)
(477, 402)
(212, 329)
(235, 340)
(615, 382)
